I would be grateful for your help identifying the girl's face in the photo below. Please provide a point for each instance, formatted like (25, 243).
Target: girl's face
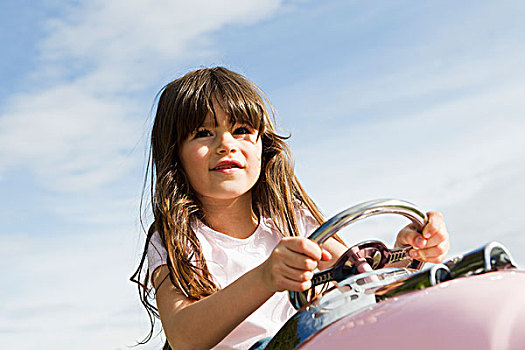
(222, 161)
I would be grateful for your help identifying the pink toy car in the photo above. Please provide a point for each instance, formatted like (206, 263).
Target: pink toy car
(475, 301)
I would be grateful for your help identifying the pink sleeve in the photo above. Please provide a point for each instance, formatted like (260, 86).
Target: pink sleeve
(156, 253)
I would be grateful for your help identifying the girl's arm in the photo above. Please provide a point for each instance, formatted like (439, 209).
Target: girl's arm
(204, 323)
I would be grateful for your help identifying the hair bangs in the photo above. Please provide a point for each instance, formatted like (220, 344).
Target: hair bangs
(210, 89)
(194, 110)
(242, 106)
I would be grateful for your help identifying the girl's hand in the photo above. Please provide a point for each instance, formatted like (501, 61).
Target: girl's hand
(430, 245)
(291, 264)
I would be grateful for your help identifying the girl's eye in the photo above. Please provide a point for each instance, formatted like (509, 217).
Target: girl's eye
(242, 130)
(202, 133)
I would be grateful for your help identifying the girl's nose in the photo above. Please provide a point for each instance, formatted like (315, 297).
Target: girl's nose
(227, 144)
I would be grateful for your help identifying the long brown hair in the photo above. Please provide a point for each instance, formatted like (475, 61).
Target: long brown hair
(182, 108)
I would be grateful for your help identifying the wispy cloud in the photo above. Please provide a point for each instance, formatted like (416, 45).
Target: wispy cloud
(70, 139)
(75, 286)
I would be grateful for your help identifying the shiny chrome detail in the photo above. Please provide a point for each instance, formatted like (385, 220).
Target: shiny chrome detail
(423, 279)
(356, 294)
(350, 296)
(367, 209)
(491, 257)
(356, 213)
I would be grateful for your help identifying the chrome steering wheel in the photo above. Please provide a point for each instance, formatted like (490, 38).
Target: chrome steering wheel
(348, 216)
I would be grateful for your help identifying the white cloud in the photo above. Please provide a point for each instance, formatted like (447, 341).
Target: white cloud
(134, 41)
(121, 30)
(69, 288)
(70, 139)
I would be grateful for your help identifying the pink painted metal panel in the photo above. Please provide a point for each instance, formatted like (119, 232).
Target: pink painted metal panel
(478, 312)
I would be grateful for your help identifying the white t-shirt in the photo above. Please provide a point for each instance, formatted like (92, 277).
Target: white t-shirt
(228, 259)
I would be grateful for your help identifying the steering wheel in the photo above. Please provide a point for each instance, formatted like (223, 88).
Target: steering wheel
(365, 256)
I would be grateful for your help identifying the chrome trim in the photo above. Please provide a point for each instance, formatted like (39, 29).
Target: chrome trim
(356, 213)
(492, 256)
(367, 209)
(351, 296)
(359, 293)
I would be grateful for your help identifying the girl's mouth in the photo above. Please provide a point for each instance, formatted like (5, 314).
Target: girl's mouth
(227, 166)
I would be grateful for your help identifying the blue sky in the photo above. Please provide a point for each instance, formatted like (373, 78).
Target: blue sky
(415, 100)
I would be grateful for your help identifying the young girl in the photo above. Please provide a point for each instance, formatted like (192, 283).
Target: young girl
(231, 218)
